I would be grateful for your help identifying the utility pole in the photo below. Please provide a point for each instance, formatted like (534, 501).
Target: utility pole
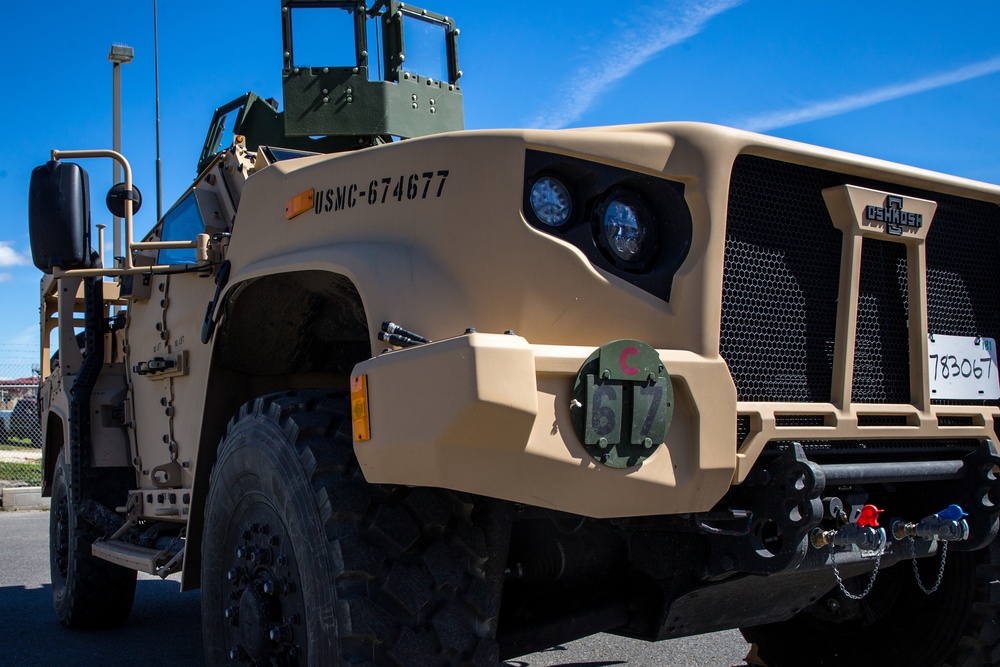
(119, 55)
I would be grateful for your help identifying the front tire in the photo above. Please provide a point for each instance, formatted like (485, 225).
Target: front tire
(87, 592)
(305, 563)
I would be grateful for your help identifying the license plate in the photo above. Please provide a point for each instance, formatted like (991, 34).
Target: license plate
(963, 367)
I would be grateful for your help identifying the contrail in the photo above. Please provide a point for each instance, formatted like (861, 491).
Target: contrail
(628, 52)
(778, 119)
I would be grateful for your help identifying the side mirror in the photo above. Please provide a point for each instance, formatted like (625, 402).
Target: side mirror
(118, 195)
(59, 216)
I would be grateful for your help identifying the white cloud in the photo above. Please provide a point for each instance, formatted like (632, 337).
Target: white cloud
(628, 51)
(10, 257)
(818, 110)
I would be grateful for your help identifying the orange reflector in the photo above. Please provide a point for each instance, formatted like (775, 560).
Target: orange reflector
(300, 203)
(359, 408)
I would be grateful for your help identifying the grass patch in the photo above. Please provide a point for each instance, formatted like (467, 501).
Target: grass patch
(16, 447)
(30, 473)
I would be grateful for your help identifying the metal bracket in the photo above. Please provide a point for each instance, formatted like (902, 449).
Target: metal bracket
(169, 365)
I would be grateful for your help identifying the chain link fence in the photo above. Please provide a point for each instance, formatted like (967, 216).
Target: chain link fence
(20, 427)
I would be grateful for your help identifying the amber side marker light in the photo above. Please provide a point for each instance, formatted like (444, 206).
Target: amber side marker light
(359, 408)
(298, 204)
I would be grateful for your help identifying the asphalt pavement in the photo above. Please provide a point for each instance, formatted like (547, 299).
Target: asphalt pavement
(164, 629)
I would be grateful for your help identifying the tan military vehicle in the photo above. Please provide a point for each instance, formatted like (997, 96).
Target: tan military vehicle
(456, 398)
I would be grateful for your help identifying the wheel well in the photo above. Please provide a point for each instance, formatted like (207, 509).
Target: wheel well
(298, 330)
(55, 439)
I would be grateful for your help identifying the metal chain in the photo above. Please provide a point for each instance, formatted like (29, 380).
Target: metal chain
(840, 582)
(916, 572)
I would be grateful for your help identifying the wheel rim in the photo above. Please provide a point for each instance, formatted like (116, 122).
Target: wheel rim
(60, 536)
(262, 604)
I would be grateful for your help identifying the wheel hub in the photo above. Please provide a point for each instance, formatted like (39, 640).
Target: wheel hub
(262, 601)
(259, 612)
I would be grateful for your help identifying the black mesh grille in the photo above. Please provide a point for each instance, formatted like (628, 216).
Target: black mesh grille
(780, 278)
(799, 420)
(833, 451)
(881, 420)
(742, 429)
(962, 246)
(962, 296)
(779, 295)
(882, 347)
(955, 421)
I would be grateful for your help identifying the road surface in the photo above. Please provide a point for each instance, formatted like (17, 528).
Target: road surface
(165, 627)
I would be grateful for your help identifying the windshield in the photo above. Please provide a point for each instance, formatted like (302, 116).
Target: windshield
(323, 37)
(426, 47)
(181, 223)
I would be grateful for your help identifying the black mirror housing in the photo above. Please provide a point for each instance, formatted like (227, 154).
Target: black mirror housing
(59, 216)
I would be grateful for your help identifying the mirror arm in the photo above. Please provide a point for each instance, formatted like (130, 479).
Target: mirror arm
(127, 169)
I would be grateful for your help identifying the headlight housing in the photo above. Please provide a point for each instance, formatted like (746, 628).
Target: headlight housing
(633, 225)
(550, 201)
(624, 229)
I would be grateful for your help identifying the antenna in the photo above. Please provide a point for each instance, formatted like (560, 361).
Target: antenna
(156, 76)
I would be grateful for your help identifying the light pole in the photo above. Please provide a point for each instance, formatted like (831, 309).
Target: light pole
(118, 55)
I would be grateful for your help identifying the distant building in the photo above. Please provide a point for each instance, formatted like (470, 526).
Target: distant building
(13, 389)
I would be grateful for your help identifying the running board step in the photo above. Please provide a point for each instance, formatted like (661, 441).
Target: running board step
(142, 559)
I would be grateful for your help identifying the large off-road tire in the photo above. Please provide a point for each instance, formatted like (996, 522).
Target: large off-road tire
(957, 626)
(305, 563)
(87, 592)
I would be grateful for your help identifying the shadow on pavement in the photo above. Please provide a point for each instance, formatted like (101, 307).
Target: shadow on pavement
(164, 630)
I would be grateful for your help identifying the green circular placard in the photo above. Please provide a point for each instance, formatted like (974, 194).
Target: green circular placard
(623, 401)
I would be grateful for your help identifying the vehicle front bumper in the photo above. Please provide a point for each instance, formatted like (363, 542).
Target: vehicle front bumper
(490, 414)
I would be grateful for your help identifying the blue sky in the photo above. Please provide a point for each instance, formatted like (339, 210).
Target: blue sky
(914, 82)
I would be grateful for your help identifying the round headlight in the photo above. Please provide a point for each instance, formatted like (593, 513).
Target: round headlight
(550, 201)
(624, 229)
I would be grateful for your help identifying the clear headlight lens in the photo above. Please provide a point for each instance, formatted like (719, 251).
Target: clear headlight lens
(550, 201)
(625, 230)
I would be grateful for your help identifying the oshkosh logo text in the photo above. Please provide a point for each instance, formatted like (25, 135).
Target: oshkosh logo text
(893, 215)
